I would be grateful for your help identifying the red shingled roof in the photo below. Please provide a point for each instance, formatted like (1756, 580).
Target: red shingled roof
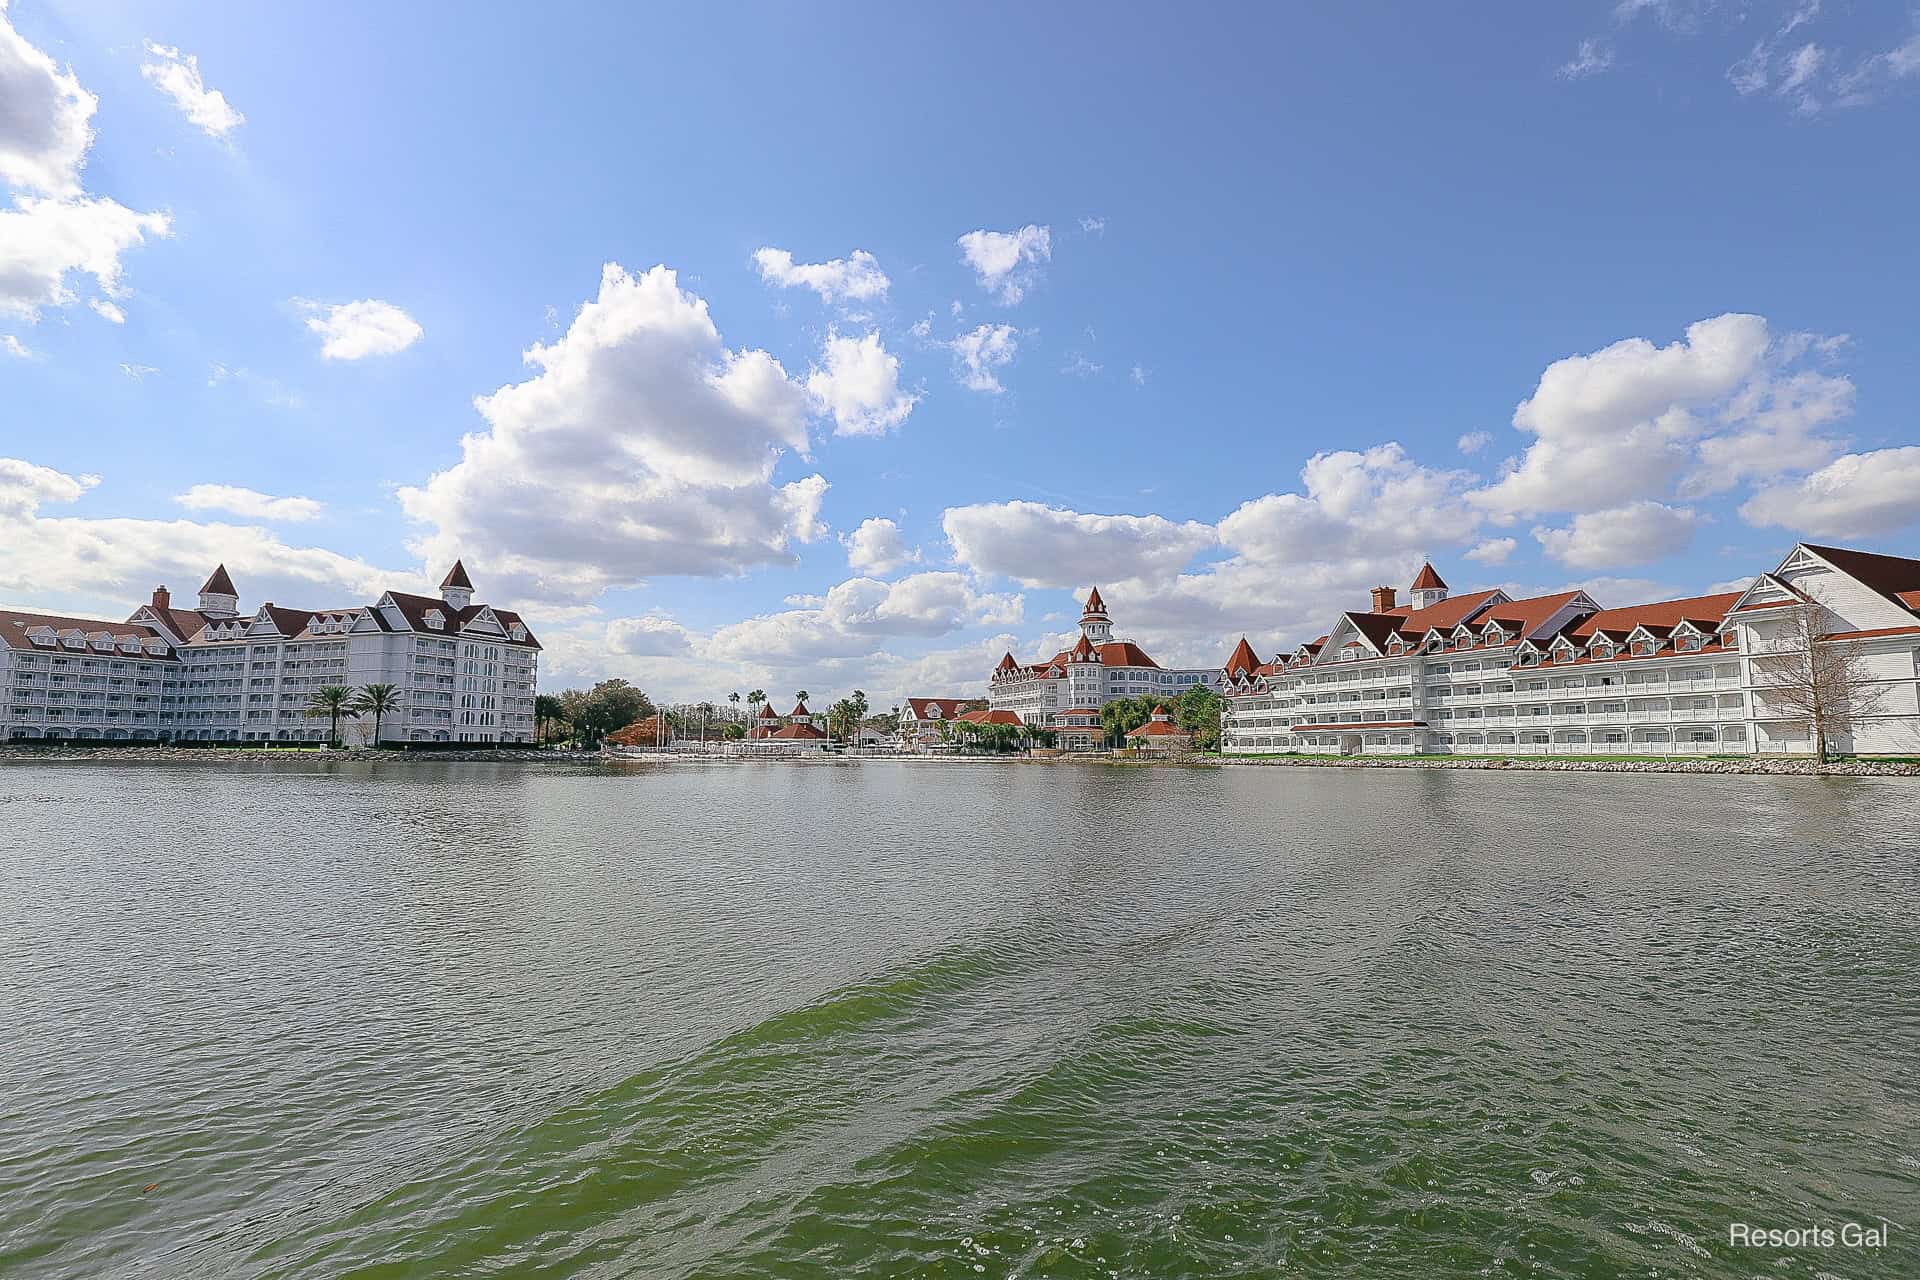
(793, 731)
(1527, 615)
(1094, 603)
(457, 578)
(991, 717)
(949, 708)
(1428, 579)
(1445, 616)
(14, 625)
(1705, 612)
(219, 583)
(1242, 659)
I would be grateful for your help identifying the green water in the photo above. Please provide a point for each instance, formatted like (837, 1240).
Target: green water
(294, 1020)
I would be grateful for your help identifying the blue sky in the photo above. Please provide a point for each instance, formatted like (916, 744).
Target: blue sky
(1265, 305)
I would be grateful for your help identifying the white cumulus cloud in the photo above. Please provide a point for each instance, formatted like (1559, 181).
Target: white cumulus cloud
(78, 562)
(978, 354)
(1632, 534)
(877, 547)
(1727, 403)
(1041, 546)
(177, 75)
(355, 330)
(856, 277)
(248, 503)
(859, 384)
(642, 445)
(1006, 262)
(1493, 550)
(1857, 495)
(45, 118)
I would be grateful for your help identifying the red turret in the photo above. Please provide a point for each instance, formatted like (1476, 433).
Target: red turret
(1242, 660)
(1428, 580)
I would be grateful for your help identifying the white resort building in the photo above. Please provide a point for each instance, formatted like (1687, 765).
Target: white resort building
(1560, 675)
(464, 672)
(1061, 692)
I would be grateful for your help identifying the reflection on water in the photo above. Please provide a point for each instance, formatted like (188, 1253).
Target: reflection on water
(322, 1020)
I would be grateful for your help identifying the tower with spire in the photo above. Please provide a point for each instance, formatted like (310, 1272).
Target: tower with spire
(1095, 625)
(1428, 589)
(218, 598)
(457, 588)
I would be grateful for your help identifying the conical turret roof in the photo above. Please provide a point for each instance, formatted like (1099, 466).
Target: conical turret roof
(219, 584)
(1094, 603)
(1428, 580)
(457, 578)
(1242, 660)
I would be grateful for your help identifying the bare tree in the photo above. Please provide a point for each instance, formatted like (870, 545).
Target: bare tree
(1823, 682)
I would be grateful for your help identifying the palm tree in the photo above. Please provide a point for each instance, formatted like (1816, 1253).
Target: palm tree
(377, 700)
(332, 701)
(546, 710)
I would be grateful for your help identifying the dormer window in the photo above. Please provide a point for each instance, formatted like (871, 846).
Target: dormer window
(1643, 648)
(1690, 644)
(519, 632)
(436, 619)
(42, 635)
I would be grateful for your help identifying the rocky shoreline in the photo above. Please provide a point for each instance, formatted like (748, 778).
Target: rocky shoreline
(76, 754)
(1838, 768)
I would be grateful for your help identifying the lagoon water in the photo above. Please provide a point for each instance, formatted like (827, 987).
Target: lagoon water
(894, 1019)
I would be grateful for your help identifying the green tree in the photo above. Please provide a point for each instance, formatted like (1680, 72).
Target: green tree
(846, 715)
(333, 701)
(548, 711)
(378, 701)
(610, 705)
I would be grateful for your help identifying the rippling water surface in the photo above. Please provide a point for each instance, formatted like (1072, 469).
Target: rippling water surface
(306, 1020)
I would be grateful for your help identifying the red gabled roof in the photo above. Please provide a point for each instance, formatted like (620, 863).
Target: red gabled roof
(1526, 616)
(767, 712)
(457, 578)
(1445, 616)
(1007, 663)
(949, 708)
(1428, 579)
(14, 625)
(1376, 627)
(801, 730)
(1242, 659)
(1894, 577)
(1705, 612)
(1094, 603)
(1157, 728)
(799, 709)
(219, 583)
(991, 717)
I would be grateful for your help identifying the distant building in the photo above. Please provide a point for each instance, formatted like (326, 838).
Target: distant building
(465, 672)
(1483, 673)
(799, 727)
(920, 720)
(1096, 670)
(1159, 733)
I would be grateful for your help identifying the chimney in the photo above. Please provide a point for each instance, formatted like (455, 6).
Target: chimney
(161, 600)
(1382, 599)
